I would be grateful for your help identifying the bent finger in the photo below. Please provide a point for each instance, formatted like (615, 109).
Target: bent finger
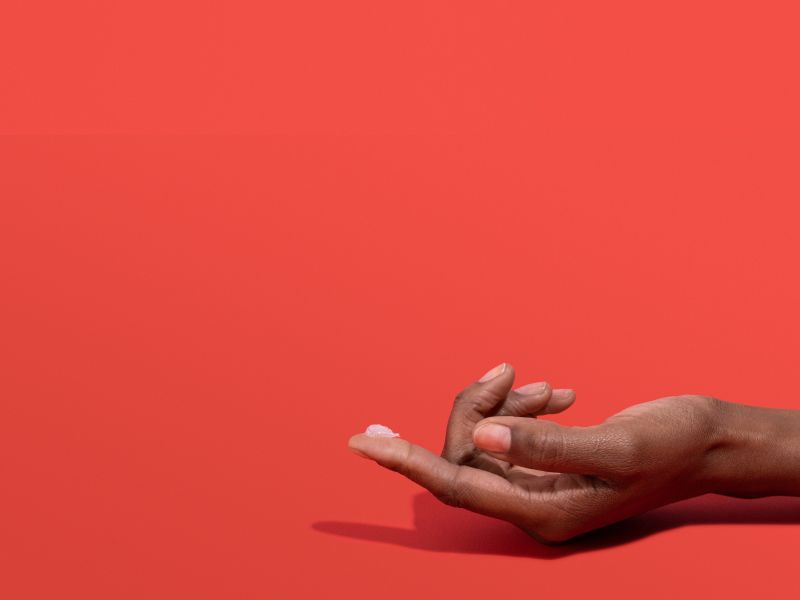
(527, 400)
(536, 399)
(473, 403)
(560, 400)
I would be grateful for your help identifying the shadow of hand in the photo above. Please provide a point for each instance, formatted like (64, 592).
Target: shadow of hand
(439, 528)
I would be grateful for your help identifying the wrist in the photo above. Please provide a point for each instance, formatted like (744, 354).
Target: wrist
(754, 452)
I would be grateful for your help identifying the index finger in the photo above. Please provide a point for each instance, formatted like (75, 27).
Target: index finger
(457, 485)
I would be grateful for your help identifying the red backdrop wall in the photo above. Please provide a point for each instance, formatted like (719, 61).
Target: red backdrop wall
(233, 234)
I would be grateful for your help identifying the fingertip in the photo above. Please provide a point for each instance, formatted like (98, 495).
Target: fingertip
(482, 425)
(492, 436)
(355, 445)
(568, 393)
(560, 400)
(385, 451)
(501, 371)
(540, 388)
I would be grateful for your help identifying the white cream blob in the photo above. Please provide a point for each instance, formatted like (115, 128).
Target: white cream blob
(380, 431)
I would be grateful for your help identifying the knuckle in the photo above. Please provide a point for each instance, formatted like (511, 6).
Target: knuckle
(547, 447)
(453, 493)
(403, 465)
(462, 396)
(630, 448)
(630, 444)
(476, 398)
(467, 399)
(512, 407)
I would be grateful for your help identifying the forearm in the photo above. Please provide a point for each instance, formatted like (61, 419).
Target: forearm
(755, 452)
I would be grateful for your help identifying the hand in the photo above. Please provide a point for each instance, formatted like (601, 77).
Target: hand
(556, 482)
(493, 396)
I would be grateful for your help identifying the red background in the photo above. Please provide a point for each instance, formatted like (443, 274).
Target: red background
(235, 233)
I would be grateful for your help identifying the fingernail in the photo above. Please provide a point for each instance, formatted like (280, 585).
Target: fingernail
(532, 388)
(493, 373)
(493, 437)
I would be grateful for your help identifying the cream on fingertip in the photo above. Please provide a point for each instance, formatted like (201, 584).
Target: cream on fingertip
(377, 430)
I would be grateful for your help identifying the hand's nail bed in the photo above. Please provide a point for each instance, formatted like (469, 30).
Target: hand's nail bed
(498, 370)
(493, 437)
(532, 388)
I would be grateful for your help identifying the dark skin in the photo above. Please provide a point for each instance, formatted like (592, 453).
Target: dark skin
(557, 482)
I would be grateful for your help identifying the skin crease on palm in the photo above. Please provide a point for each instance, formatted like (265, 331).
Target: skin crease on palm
(557, 482)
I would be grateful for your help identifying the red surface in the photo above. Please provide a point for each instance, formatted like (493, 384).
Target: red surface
(603, 194)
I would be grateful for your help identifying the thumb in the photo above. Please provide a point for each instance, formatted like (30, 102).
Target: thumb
(604, 450)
